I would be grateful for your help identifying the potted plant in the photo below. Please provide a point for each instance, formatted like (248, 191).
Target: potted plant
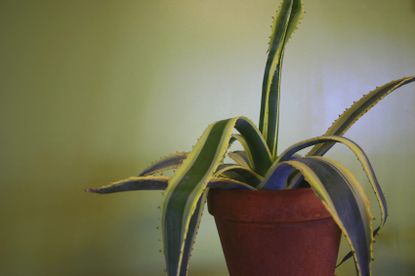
(267, 198)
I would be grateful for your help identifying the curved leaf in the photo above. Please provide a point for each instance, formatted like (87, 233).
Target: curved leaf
(192, 232)
(240, 157)
(133, 183)
(357, 110)
(364, 204)
(140, 183)
(169, 162)
(188, 184)
(240, 173)
(254, 145)
(277, 177)
(248, 159)
(229, 184)
(347, 204)
(361, 157)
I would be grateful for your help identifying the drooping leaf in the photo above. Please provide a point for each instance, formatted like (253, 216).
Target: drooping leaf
(192, 232)
(286, 20)
(133, 183)
(363, 205)
(357, 110)
(189, 183)
(277, 177)
(346, 202)
(169, 162)
(361, 157)
(140, 183)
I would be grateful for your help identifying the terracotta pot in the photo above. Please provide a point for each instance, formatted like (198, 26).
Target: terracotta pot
(286, 233)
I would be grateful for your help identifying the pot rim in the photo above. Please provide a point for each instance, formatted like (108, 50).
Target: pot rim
(266, 206)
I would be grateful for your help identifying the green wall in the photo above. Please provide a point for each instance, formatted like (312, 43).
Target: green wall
(92, 91)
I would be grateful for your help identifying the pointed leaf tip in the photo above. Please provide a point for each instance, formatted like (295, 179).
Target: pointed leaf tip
(91, 190)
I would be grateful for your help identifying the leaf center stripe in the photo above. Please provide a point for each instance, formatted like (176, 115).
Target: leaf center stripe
(333, 185)
(194, 174)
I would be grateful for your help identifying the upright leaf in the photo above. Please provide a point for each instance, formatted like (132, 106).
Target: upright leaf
(283, 26)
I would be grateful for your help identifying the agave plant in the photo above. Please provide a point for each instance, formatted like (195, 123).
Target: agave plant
(260, 165)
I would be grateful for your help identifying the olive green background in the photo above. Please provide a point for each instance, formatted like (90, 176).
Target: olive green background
(92, 91)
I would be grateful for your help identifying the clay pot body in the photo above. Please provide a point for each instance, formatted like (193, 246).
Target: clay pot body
(275, 233)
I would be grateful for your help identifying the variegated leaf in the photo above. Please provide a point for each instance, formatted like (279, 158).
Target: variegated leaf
(246, 153)
(133, 183)
(240, 173)
(277, 177)
(285, 22)
(239, 157)
(189, 183)
(169, 162)
(347, 203)
(361, 157)
(140, 183)
(192, 232)
(357, 110)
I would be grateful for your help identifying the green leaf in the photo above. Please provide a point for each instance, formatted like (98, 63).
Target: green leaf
(283, 26)
(244, 156)
(240, 157)
(140, 183)
(169, 162)
(191, 233)
(357, 110)
(240, 173)
(255, 148)
(345, 200)
(189, 183)
(133, 183)
(229, 184)
(277, 177)
(361, 157)
(254, 145)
